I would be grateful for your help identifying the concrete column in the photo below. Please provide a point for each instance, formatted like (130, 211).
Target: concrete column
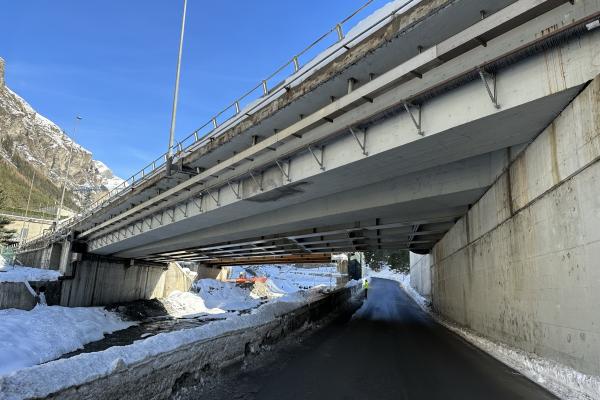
(65, 265)
(206, 272)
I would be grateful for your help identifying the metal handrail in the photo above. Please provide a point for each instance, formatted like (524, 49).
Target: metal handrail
(158, 163)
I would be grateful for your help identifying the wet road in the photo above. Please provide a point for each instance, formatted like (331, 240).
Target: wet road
(390, 350)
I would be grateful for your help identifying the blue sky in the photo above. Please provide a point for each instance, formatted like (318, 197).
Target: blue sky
(113, 62)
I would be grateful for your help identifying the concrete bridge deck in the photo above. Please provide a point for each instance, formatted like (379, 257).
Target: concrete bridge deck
(387, 152)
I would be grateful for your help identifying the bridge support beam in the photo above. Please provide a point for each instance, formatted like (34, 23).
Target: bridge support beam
(522, 266)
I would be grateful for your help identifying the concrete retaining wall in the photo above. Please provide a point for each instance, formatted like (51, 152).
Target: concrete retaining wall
(33, 258)
(161, 376)
(420, 273)
(16, 295)
(522, 266)
(99, 281)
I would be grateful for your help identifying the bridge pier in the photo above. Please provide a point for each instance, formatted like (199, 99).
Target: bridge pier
(521, 267)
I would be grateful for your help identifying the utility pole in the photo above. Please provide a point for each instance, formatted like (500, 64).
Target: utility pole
(176, 94)
(62, 197)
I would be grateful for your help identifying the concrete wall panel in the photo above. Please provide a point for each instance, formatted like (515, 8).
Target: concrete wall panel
(532, 279)
(101, 281)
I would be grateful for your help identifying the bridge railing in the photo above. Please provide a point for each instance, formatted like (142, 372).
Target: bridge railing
(250, 101)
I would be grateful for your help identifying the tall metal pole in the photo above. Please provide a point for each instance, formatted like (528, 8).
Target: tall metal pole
(27, 209)
(62, 197)
(176, 94)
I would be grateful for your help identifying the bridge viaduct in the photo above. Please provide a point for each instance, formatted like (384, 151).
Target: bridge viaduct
(464, 131)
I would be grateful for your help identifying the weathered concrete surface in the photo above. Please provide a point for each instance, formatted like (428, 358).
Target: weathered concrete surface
(160, 376)
(32, 257)
(206, 272)
(522, 266)
(420, 273)
(16, 295)
(99, 281)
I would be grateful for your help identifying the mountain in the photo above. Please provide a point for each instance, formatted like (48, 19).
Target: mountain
(30, 143)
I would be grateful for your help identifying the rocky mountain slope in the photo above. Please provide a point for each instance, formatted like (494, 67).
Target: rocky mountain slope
(29, 139)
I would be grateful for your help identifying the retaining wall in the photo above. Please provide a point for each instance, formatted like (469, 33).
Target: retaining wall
(99, 281)
(522, 266)
(16, 295)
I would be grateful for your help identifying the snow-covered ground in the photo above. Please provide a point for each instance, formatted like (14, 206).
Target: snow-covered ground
(284, 283)
(21, 274)
(32, 337)
(41, 380)
(28, 338)
(563, 381)
(284, 279)
(209, 296)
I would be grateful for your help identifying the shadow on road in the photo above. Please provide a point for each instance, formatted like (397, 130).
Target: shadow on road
(389, 349)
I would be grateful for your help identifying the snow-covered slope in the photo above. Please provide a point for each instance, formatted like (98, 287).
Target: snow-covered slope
(33, 137)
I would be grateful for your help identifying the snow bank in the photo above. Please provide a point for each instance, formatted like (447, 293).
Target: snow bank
(563, 381)
(41, 380)
(21, 274)
(285, 279)
(31, 337)
(188, 305)
(285, 283)
(224, 295)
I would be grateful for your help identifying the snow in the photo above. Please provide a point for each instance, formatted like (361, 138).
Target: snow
(563, 381)
(41, 380)
(188, 305)
(109, 180)
(284, 279)
(20, 274)
(224, 295)
(285, 283)
(352, 283)
(50, 140)
(44, 333)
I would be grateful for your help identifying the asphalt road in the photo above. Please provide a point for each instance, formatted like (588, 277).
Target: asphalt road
(390, 350)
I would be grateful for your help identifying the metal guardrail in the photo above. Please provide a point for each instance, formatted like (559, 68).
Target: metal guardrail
(197, 138)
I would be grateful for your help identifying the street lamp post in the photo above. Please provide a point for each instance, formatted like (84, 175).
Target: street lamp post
(26, 227)
(176, 94)
(62, 197)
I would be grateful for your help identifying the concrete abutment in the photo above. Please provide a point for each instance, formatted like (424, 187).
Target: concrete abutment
(522, 266)
(90, 280)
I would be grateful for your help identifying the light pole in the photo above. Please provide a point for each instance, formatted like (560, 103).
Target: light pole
(176, 94)
(62, 197)
(26, 229)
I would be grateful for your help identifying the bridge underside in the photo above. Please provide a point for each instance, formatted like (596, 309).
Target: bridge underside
(369, 204)
(390, 162)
